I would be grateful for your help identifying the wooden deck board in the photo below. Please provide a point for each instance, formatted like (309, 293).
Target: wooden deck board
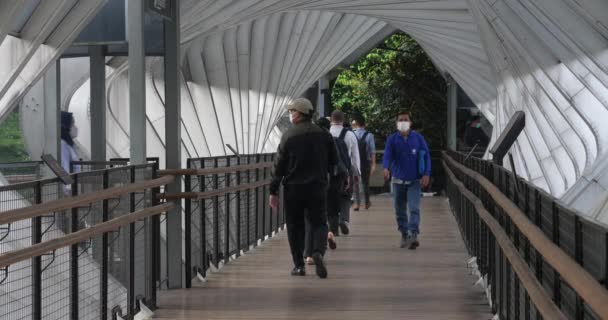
(370, 277)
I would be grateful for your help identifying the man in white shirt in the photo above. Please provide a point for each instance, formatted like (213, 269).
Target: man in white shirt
(350, 139)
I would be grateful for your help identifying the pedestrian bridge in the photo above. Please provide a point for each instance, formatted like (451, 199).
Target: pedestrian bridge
(370, 277)
(491, 245)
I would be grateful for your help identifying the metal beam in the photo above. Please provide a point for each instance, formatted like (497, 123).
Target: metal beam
(323, 96)
(98, 103)
(52, 113)
(173, 144)
(137, 87)
(508, 137)
(451, 109)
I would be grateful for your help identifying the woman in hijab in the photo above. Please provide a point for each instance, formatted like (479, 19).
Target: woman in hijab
(69, 132)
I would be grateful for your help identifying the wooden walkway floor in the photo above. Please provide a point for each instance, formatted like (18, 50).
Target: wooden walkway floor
(370, 277)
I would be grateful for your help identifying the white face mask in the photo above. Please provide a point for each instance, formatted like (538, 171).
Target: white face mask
(74, 132)
(403, 126)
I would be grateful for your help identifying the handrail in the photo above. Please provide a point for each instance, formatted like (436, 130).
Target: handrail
(537, 294)
(38, 249)
(209, 171)
(213, 193)
(85, 199)
(583, 283)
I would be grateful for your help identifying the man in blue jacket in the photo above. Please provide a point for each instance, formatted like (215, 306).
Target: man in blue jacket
(407, 158)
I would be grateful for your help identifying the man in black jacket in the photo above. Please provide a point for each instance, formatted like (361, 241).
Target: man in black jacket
(305, 158)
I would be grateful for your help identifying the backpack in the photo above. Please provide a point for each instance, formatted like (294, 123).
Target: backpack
(363, 152)
(343, 150)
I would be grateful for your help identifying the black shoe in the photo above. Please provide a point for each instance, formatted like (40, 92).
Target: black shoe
(332, 243)
(344, 228)
(298, 271)
(414, 243)
(321, 269)
(405, 241)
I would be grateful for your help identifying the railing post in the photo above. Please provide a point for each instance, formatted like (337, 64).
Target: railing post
(74, 258)
(257, 200)
(37, 261)
(104, 254)
(238, 210)
(578, 256)
(556, 277)
(188, 228)
(248, 205)
(203, 223)
(227, 177)
(216, 218)
(154, 250)
(131, 253)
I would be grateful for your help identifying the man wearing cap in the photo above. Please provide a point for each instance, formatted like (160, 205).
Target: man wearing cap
(305, 157)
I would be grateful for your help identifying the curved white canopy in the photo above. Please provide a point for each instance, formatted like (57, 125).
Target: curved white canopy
(242, 60)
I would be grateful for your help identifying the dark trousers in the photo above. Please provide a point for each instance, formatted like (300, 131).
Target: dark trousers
(305, 203)
(363, 186)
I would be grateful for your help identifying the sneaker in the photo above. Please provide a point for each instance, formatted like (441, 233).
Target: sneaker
(344, 228)
(331, 241)
(356, 208)
(405, 241)
(298, 271)
(321, 269)
(414, 243)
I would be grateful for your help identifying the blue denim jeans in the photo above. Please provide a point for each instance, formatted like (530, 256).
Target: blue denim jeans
(407, 196)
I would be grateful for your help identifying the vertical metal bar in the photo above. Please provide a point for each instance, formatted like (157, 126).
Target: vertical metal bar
(452, 106)
(74, 258)
(203, 223)
(578, 255)
(137, 87)
(227, 214)
(155, 240)
(104, 255)
(37, 261)
(97, 68)
(188, 228)
(238, 210)
(173, 142)
(248, 204)
(216, 217)
(131, 253)
(257, 200)
(556, 277)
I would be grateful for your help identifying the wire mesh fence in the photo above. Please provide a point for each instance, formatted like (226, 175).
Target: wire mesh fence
(88, 280)
(224, 224)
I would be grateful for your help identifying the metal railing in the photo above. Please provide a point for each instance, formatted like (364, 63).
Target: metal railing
(226, 209)
(538, 257)
(17, 172)
(82, 251)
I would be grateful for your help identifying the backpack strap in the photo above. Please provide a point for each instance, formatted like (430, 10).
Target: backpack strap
(343, 134)
(364, 136)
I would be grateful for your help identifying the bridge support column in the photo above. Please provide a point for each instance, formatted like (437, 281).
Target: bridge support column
(98, 103)
(137, 84)
(173, 146)
(324, 97)
(452, 107)
(52, 113)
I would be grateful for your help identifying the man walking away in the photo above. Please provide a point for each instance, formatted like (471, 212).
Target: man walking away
(407, 158)
(474, 135)
(305, 157)
(337, 130)
(367, 156)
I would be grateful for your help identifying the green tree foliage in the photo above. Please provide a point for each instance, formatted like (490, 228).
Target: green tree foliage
(12, 148)
(397, 75)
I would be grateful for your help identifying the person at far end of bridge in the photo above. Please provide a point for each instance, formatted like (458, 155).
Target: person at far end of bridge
(350, 140)
(407, 159)
(305, 158)
(367, 151)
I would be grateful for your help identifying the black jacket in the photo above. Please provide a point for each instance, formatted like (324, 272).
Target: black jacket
(307, 155)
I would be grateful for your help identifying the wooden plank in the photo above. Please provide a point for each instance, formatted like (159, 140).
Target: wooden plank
(79, 201)
(539, 297)
(583, 283)
(36, 250)
(370, 277)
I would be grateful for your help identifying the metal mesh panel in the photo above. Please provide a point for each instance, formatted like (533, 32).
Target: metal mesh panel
(19, 172)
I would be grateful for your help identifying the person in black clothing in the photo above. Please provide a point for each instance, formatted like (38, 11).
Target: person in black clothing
(474, 135)
(305, 158)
